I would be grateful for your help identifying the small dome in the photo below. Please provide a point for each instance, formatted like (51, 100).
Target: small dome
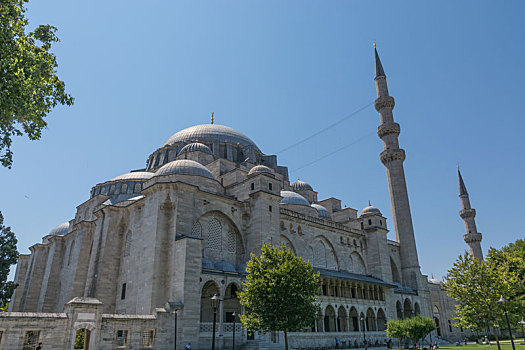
(184, 167)
(207, 264)
(194, 147)
(301, 186)
(322, 211)
(290, 197)
(61, 229)
(224, 266)
(134, 175)
(435, 281)
(260, 169)
(370, 210)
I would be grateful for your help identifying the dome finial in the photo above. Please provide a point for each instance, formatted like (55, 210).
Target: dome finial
(374, 45)
(369, 204)
(212, 117)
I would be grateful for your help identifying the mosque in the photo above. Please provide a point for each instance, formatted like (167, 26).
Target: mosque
(137, 265)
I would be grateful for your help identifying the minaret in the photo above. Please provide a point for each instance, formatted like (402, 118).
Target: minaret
(472, 237)
(393, 157)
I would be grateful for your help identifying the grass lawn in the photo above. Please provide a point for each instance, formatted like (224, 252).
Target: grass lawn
(494, 346)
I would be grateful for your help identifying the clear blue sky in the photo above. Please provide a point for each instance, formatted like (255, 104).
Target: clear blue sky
(279, 71)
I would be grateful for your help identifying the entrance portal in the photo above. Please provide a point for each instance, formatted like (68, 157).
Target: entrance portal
(82, 338)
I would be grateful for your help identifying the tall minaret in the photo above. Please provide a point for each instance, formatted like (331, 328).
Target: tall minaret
(472, 237)
(392, 157)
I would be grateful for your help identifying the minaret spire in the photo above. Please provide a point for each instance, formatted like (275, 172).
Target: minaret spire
(393, 157)
(472, 237)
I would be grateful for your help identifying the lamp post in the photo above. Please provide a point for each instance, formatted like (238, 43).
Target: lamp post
(503, 301)
(233, 338)
(214, 304)
(364, 334)
(173, 307)
(522, 323)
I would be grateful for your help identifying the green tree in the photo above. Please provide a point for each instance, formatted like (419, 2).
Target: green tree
(418, 327)
(477, 286)
(8, 257)
(29, 86)
(279, 293)
(396, 329)
(512, 257)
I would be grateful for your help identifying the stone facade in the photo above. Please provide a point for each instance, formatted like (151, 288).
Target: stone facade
(182, 229)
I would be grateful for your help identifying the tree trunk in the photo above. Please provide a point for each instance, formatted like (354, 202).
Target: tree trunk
(285, 340)
(496, 335)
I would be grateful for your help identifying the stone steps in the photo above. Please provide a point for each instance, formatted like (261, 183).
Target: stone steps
(261, 345)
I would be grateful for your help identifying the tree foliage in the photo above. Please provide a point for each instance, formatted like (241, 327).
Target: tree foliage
(8, 257)
(414, 328)
(279, 293)
(477, 286)
(29, 85)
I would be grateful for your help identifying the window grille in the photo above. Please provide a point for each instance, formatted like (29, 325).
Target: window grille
(196, 230)
(122, 339)
(148, 338)
(215, 234)
(232, 242)
(31, 340)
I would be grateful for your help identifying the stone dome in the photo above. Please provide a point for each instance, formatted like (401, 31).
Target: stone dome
(370, 210)
(435, 281)
(322, 211)
(184, 167)
(260, 169)
(134, 175)
(61, 229)
(210, 133)
(195, 146)
(224, 266)
(207, 264)
(301, 186)
(290, 197)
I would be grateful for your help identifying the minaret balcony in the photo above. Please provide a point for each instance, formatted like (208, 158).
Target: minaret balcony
(384, 101)
(467, 213)
(387, 129)
(390, 155)
(472, 237)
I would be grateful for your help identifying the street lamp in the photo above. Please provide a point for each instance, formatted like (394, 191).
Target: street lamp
(503, 301)
(363, 325)
(233, 339)
(214, 304)
(173, 307)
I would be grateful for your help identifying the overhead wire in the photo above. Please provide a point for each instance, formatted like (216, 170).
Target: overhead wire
(354, 113)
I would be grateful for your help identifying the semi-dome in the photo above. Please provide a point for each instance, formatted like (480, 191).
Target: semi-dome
(322, 211)
(195, 146)
(134, 175)
(301, 186)
(210, 133)
(184, 167)
(61, 229)
(260, 169)
(290, 197)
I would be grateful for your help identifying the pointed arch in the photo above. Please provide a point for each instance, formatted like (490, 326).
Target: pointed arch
(329, 319)
(381, 320)
(341, 319)
(324, 253)
(358, 263)
(399, 310)
(407, 308)
(396, 277)
(354, 319)
(370, 320)
(417, 309)
(209, 289)
(288, 244)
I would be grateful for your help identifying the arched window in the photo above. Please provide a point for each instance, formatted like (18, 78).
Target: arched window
(70, 252)
(127, 244)
(214, 234)
(232, 242)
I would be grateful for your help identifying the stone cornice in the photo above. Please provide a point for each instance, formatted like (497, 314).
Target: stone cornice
(384, 101)
(391, 155)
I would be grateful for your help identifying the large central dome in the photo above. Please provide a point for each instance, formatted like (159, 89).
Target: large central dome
(210, 133)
